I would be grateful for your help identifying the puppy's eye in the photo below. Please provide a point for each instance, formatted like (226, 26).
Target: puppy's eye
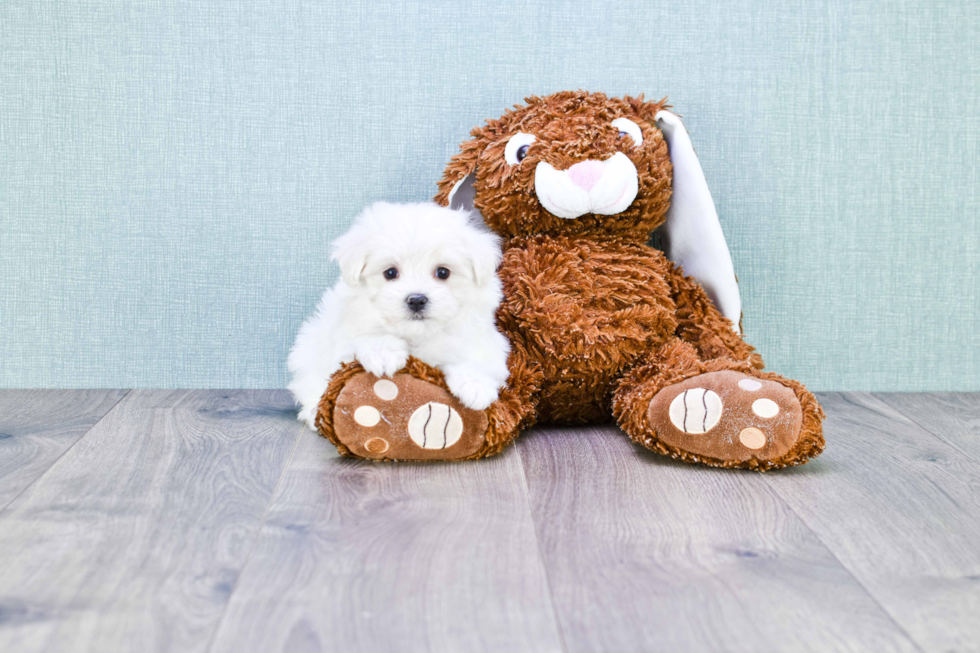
(517, 147)
(391, 274)
(629, 128)
(442, 273)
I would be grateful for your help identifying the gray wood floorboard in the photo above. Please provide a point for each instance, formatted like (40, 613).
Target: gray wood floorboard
(901, 510)
(38, 426)
(361, 556)
(953, 417)
(644, 553)
(133, 540)
(209, 520)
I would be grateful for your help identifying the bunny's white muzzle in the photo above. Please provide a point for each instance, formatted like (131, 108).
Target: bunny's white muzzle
(600, 187)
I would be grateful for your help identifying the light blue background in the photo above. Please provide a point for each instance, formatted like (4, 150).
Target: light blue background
(171, 173)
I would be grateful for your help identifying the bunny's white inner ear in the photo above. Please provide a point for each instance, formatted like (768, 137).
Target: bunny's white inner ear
(692, 235)
(463, 194)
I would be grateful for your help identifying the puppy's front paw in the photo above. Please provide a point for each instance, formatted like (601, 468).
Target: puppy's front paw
(383, 356)
(475, 391)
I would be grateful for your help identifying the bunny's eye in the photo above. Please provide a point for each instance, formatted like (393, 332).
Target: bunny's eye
(391, 274)
(517, 147)
(629, 128)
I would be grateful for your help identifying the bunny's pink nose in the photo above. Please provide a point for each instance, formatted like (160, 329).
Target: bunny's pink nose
(586, 174)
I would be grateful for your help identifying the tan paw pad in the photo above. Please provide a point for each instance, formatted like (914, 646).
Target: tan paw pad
(435, 426)
(752, 438)
(376, 445)
(696, 410)
(367, 416)
(386, 389)
(727, 416)
(765, 408)
(749, 385)
(405, 418)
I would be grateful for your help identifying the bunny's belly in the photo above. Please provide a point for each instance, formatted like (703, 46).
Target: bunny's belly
(583, 312)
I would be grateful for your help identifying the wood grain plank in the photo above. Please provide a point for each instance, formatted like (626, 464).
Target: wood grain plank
(901, 510)
(134, 538)
(38, 426)
(953, 417)
(361, 556)
(644, 553)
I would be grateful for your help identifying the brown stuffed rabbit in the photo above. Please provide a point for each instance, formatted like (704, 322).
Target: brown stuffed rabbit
(602, 326)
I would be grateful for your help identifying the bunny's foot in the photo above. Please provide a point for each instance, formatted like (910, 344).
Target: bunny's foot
(410, 416)
(400, 418)
(720, 413)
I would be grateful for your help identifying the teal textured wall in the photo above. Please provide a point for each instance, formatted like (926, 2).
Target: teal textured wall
(171, 173)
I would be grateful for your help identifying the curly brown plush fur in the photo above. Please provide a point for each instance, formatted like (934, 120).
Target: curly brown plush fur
(599, 321)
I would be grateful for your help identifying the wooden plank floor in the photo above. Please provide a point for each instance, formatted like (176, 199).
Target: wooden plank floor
(213, 521)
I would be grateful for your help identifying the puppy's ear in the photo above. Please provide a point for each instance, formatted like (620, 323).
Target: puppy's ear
(351, 253)
(483, 251)
(692, 235)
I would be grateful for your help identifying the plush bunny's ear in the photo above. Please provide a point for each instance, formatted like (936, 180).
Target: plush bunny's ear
(456, 188)
(692, 237)
(463, 194)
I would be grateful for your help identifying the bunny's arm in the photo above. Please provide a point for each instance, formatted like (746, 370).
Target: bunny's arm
(700, 323)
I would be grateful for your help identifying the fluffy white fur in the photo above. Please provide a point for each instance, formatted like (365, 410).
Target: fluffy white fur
(366, 316)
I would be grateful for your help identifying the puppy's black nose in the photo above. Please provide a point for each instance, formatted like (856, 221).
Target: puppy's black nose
(416, 302)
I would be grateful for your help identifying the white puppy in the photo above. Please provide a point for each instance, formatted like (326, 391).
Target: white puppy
(417, 280)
